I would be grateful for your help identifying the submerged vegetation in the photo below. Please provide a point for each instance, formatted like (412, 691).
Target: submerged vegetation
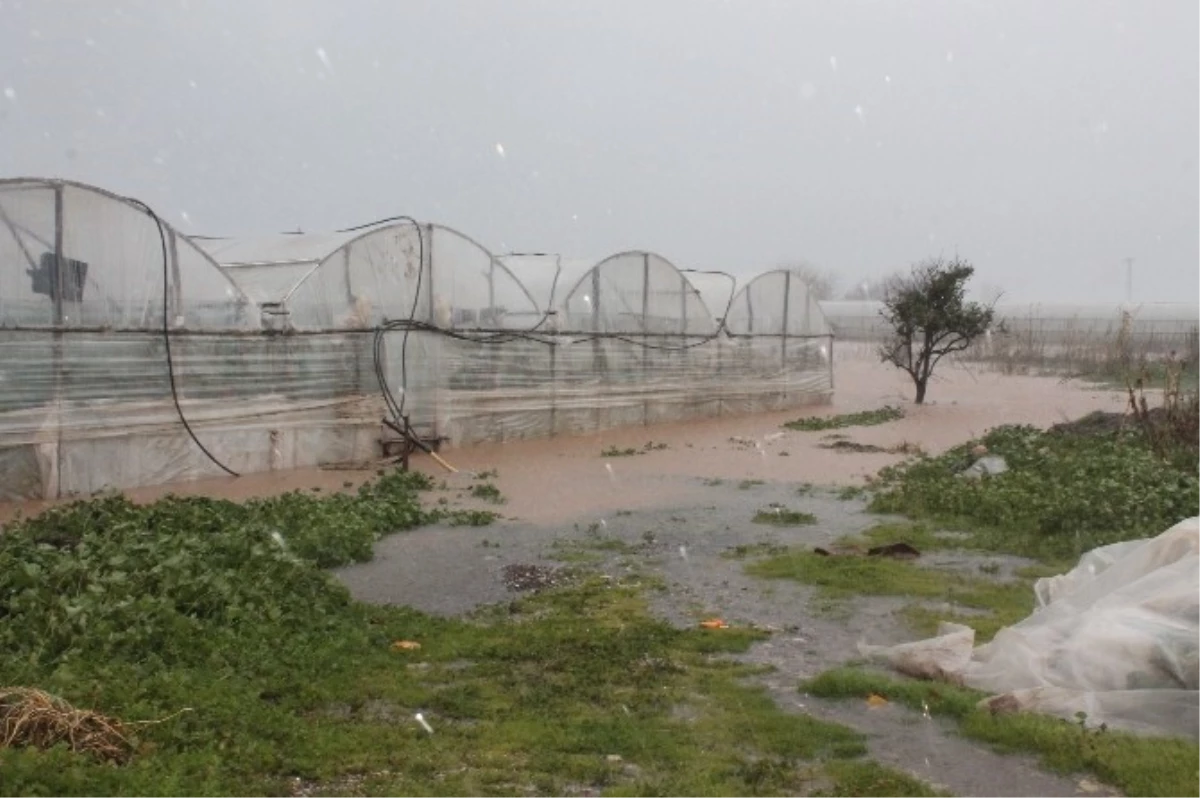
(782, 516)
(984, 603)
(649, 446)
(866, 418)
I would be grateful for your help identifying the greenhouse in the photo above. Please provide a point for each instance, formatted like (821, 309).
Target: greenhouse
(135, 356)
(328, 294)
(783, 343)
(92, 290)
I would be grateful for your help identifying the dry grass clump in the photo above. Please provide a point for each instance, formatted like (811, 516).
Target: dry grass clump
(33, 718)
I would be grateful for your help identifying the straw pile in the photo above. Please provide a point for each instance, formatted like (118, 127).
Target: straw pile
(30, 717)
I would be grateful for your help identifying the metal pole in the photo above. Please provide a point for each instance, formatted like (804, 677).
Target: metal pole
(787, 297)
(491, 292)
(645, 329)
(60, 284)
(429, 274)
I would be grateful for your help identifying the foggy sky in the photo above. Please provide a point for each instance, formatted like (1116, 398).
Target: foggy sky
(1044, 140)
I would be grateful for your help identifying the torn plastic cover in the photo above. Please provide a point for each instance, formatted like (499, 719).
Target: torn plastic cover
(1116, 638)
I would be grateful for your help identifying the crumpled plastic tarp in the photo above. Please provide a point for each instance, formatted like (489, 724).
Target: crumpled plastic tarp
(1117, 638)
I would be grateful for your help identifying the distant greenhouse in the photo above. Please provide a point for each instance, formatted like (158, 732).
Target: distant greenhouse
(1158, 325)
(133, 355)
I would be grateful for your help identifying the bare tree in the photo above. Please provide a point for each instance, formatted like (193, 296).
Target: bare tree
(930, 318)
(821, 282)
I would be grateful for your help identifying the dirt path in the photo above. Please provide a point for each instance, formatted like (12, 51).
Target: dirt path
(687, 546)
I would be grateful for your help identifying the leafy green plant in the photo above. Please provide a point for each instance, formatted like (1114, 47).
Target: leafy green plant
(488, 492)
(464, 517)
(781, 516)
(1063, 494)
(866, 418)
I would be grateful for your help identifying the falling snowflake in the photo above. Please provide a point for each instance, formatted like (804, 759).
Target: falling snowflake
(324, 59)
(10, 93)
(500, 149)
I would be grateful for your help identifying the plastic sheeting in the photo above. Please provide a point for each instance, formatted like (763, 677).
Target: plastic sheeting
(363, 278)
(776, 303)
(1116, 638)
(632, 293)
(577, 386)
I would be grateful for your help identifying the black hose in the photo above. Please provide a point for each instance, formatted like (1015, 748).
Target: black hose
(166, 331)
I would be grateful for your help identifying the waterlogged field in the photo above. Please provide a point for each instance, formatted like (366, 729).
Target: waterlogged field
(696, 647)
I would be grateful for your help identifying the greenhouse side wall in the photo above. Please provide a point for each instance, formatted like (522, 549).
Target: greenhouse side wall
(572, 387)
(96, 413)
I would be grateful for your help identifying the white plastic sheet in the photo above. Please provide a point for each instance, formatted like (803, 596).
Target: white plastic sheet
(1115, 638)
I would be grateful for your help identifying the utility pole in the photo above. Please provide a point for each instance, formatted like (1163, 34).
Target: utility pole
(1129, 279)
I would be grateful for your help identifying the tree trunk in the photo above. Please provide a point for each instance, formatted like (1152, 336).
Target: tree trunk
(921, 383)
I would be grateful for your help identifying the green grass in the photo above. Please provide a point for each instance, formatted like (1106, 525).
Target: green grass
(919, 535)
(988, 605)
(866, 418)
(1136, 765)
(747, 550)
(140, 612)
(488, 492)
(781, 516)
(871, 778)
(747, 484)
(1062, 496)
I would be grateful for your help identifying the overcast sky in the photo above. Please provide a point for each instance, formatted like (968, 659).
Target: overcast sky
(1044, 140)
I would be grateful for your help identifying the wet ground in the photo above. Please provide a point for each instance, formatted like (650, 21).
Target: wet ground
(689, 547)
